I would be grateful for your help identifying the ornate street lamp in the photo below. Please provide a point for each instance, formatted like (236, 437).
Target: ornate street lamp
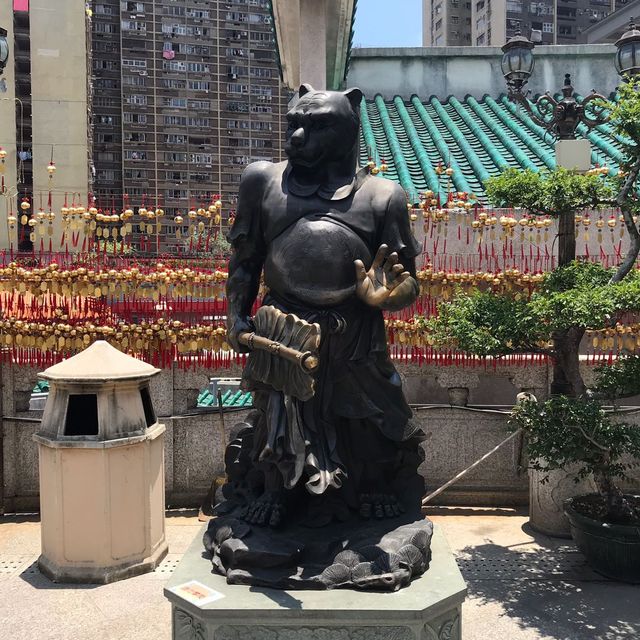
(4, 49)
(558, 117)
(627, 58)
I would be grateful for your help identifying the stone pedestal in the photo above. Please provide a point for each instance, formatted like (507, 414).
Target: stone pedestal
(102, 507)
(546, 513)
(428, 609)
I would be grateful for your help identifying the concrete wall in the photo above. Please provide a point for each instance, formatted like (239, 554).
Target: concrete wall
(458, 71)
(455, 437)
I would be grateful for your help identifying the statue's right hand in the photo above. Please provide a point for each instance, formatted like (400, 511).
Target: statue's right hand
(236, 327)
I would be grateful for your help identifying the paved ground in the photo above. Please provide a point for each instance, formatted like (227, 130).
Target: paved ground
(522, 586)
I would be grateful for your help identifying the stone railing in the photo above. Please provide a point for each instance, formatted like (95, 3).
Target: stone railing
(455, 436)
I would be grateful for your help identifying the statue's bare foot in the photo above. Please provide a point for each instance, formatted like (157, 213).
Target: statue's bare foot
(267, 510)
(380, 505)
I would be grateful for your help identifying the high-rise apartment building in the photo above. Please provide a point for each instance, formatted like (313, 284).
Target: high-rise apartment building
(186, 94)
(492, 22)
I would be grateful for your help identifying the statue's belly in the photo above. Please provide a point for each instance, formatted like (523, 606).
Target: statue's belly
(312, 261)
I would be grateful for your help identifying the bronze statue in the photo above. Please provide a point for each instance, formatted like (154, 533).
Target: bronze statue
(331, 443)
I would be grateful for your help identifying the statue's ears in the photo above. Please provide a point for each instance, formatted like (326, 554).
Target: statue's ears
(355, 97)
(304, 89)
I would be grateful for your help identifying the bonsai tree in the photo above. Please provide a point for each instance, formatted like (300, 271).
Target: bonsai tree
(575, 296)
(567, 431)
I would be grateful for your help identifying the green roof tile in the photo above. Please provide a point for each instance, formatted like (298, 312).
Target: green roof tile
(477, 138)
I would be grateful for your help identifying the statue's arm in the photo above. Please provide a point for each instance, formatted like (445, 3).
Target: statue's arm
(245, 265)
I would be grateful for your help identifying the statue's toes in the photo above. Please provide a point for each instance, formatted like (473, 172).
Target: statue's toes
(378, 511)
(276, 516)
(388, 511)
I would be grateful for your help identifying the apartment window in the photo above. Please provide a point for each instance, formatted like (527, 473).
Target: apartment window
(175, 103)
(132, 7)
(130, 62)
(172, 83)
(235, 87)
(174, 11)
(238, 107)
(108, 121)
(514, 6)
(134, 81)
(200, 158)
(261, 108)
(197, 13)
(176, 176)
(547, 27)
(455, 20)
(174, 65)
(438, 9)
(175, 138)
(134, 25)
(175, 120)
(135, 155)
(105, 27)
(135, 174)
(257, 90)
(137, 100)
(105, 101)
(105, 10)
(261, 36)
(480, 5)
(176, 194)
(200, 105)
(135, 137)
(135, 118)
(105, 65)
(455, 3)
(198, 67)
(259, 72)
(198, 85)
(173, 156)
(175, 29)
(105, 83)
(198, 122)
(105, 138)
(106, 174)
(106, 156)
(480, 39)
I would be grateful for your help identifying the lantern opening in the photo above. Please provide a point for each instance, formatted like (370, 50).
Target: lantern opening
(149, 413)
(82, 415)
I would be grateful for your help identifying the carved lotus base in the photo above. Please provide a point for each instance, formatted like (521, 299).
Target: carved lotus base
(428, 609)
(381, 554)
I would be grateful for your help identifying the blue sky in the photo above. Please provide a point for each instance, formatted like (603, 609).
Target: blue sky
(388, 23)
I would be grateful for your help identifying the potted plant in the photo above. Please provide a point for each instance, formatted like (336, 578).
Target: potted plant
(577, 432)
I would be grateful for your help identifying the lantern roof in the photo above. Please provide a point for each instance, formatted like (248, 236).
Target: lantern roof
(99, 362)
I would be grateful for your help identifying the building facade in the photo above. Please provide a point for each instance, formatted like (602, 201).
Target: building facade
(492, 22)
(43, 114)
(186, 94)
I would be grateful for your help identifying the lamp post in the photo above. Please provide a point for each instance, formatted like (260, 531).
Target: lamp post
(559, 117)
(627, 60)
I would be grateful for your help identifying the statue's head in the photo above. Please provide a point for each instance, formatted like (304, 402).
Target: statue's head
(323, 126)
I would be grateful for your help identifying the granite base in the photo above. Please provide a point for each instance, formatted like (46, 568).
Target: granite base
(205, 607)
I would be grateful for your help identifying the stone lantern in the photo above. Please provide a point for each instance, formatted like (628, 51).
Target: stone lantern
(101, 453)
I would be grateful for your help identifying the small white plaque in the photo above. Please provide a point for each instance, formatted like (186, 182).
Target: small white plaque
(197, 593)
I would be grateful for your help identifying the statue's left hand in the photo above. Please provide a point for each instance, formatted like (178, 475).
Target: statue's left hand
(386, 279)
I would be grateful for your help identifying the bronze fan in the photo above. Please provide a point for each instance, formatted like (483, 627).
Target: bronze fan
(284, 352)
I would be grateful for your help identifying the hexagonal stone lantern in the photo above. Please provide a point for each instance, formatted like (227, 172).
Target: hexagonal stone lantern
(101, 453)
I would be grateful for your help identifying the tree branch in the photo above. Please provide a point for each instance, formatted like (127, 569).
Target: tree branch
(622, 201)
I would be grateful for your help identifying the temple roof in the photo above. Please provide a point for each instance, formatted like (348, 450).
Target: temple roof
(477, 138)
